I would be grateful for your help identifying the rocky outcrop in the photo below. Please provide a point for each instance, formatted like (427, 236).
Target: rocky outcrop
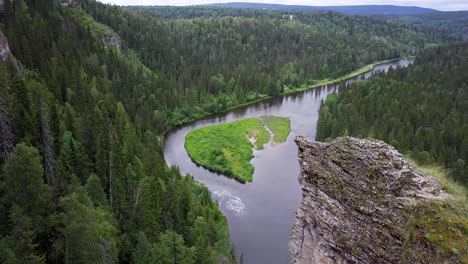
(2, 7)
(356, 195)
(112, 40)
(66, 3)
(5, 53)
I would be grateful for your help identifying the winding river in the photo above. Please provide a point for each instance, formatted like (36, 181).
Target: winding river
(261, 213)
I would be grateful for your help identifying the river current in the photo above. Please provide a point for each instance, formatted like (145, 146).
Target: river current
(261, 213)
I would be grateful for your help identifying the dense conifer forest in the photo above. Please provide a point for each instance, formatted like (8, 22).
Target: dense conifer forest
(421, 110)
(210, 59)
(88, 90)
(81, 182)
(452, 25)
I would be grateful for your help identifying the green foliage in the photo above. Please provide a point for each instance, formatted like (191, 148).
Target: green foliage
(279, 126)
(19, 246)
(451, 25)
(211, 59)
(420, 110)
(88, 115)
(171, 249)
(85, 233)
(227, 148)
(23, 186)
(442, 225)
(95, 192)
(90, 89)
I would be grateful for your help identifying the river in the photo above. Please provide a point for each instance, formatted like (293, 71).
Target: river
(261, 213)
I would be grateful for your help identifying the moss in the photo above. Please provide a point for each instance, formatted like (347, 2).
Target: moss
(440, 228)
(441, 225)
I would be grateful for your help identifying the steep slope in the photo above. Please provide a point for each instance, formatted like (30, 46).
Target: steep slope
(363, 203)
(211, 59)
(82, 179)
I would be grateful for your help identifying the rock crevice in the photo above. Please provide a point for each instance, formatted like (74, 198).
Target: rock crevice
(355, 197)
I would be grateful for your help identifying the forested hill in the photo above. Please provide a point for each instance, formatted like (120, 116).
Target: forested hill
(351, 10)
(80, 181)
(210, 63)
(421, 110)
(86, 90)
(443, 24)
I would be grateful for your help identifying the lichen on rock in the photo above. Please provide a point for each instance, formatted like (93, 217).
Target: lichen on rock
(356, 199)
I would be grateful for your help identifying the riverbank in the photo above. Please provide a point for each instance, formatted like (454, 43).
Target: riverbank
(288, 91)
(268, 202)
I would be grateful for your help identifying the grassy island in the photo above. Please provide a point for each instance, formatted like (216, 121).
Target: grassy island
(228, 148)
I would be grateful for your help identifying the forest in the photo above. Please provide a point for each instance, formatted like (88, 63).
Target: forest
(87, 91)
(420, 110)
(452, 25)
(80, 181)
(210, 59)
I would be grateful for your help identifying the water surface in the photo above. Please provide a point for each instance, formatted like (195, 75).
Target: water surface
(261, 213)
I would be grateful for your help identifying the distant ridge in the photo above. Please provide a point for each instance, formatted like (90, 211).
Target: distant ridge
(352, 10)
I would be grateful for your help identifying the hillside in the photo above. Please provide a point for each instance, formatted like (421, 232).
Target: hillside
(88, 90)
(210, 60)
(420, 110)
(81, 180)
(443, 24)
(350, 10)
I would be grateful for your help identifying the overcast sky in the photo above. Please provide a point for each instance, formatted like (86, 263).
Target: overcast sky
(437, 4)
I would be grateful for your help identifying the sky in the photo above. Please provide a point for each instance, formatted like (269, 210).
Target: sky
(445, 5)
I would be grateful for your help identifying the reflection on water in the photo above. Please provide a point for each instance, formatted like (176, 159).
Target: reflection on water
(261, 213)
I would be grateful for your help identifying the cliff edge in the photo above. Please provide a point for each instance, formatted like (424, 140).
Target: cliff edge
(357, 201)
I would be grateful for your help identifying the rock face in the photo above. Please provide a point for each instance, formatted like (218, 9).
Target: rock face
(2, 7)
(4, 48)
(112, 41)
(68, 2)
(356, 195)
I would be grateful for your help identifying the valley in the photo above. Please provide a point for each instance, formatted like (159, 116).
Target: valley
(166, 134)
(274, 192)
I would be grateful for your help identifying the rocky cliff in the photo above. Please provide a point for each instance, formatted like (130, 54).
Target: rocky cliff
(5, 53)
(357, 198)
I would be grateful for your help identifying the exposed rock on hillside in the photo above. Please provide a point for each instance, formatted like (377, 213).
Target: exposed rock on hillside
(112, 40)
(69, 2)
(357, 195)
(4, 48)
(2, 7)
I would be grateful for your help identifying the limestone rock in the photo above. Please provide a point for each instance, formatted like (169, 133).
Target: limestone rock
(355, 193)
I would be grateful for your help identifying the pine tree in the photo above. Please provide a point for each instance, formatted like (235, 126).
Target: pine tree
(95, 191)
(23, 185)
(171, 249)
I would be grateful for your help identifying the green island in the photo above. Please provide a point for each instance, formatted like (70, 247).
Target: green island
(227, 148)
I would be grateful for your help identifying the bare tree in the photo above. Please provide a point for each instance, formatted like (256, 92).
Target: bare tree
(47, 145)
(7, 138)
